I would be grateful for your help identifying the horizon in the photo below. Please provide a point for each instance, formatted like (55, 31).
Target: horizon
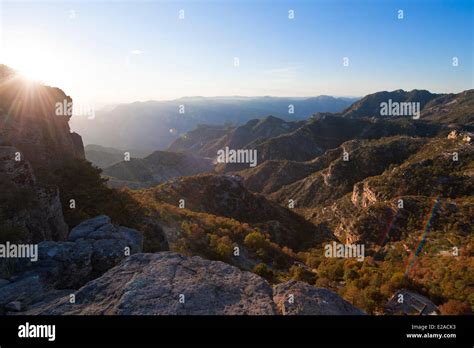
(344, 49)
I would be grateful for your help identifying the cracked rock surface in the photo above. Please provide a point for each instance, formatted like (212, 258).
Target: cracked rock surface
(168, 283)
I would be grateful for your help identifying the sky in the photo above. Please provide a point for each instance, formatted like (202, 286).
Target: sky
(124, 51)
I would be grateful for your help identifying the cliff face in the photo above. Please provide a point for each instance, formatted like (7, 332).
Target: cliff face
(34, 137)
(30, 121)
(27, 209)
(363, 195)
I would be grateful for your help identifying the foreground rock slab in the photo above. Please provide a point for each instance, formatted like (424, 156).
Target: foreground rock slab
(94, 247)
(167, 283)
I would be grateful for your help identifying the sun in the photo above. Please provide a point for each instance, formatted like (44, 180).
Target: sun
(32, 61)
(35, 69)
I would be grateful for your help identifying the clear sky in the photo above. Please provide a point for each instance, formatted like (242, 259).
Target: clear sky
(123, 51)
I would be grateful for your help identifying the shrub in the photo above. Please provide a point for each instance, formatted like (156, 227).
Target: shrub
(264, 271)
(255, 240)
(455, 307)
(302, 274)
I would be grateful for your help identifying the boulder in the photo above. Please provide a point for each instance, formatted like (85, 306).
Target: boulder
(167, 283)
(298, 298)
(87, 227)
(14, 306)
(28, 289)
(95, 246)
(408, 302)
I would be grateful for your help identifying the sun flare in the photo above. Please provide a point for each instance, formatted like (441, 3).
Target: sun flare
(33, 61)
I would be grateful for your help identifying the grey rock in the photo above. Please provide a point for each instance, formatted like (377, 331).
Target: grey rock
(411, 303)
(151, 284)
(133, 237)
(29, 289)
(308, 300)
(72, 264)
(147, 284)
(14, 306)
(42, 220)
(82, 230)
(4, 282)
(107, 253)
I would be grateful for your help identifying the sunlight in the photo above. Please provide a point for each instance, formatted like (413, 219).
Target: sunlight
(33, 61)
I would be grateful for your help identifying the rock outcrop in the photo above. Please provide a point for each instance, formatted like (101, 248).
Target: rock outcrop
(407, 302)
(25, 205)
(94, 246)
(30, 121)
(362, 195)
(298, 298)
(167, 283)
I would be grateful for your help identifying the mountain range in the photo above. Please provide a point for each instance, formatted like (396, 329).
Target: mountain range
(236, 236)
(153, 125)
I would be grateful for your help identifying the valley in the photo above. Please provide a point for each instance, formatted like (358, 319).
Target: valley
(351, 207)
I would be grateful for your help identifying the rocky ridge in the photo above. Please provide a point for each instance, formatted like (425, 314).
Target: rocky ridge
(167, 283)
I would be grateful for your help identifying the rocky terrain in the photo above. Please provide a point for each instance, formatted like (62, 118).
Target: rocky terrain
(28, 210)
(167, 283)
(226, 239)
(330, 175)
(29, 121)
(92, 248)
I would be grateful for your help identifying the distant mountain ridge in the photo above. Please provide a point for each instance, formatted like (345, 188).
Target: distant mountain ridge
(369, 106)
(156, 168)
(153, 125)
(104, 157)
(255, 131)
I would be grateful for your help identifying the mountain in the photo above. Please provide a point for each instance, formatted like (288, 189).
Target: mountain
(452, 109)
(226, 196)
(370, 105)
(154, 125)
(326, 131)
(364, 159)
(397, 189)
(255, 131)
(103, 157)
(429, 174)
(195, 140)
(158, 167)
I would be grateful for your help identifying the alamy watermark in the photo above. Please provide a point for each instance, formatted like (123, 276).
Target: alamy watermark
(25, 251)
(68, 108)
(227, 155)
(337, 250)
(392, 108)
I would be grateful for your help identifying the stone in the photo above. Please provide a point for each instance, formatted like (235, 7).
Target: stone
(408, 302)
(14, 306)
(151, 284)
(167, 283)
(28, 289)
(82, 230)
(309, 300)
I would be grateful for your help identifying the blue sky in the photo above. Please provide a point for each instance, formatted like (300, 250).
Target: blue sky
(122, 51)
